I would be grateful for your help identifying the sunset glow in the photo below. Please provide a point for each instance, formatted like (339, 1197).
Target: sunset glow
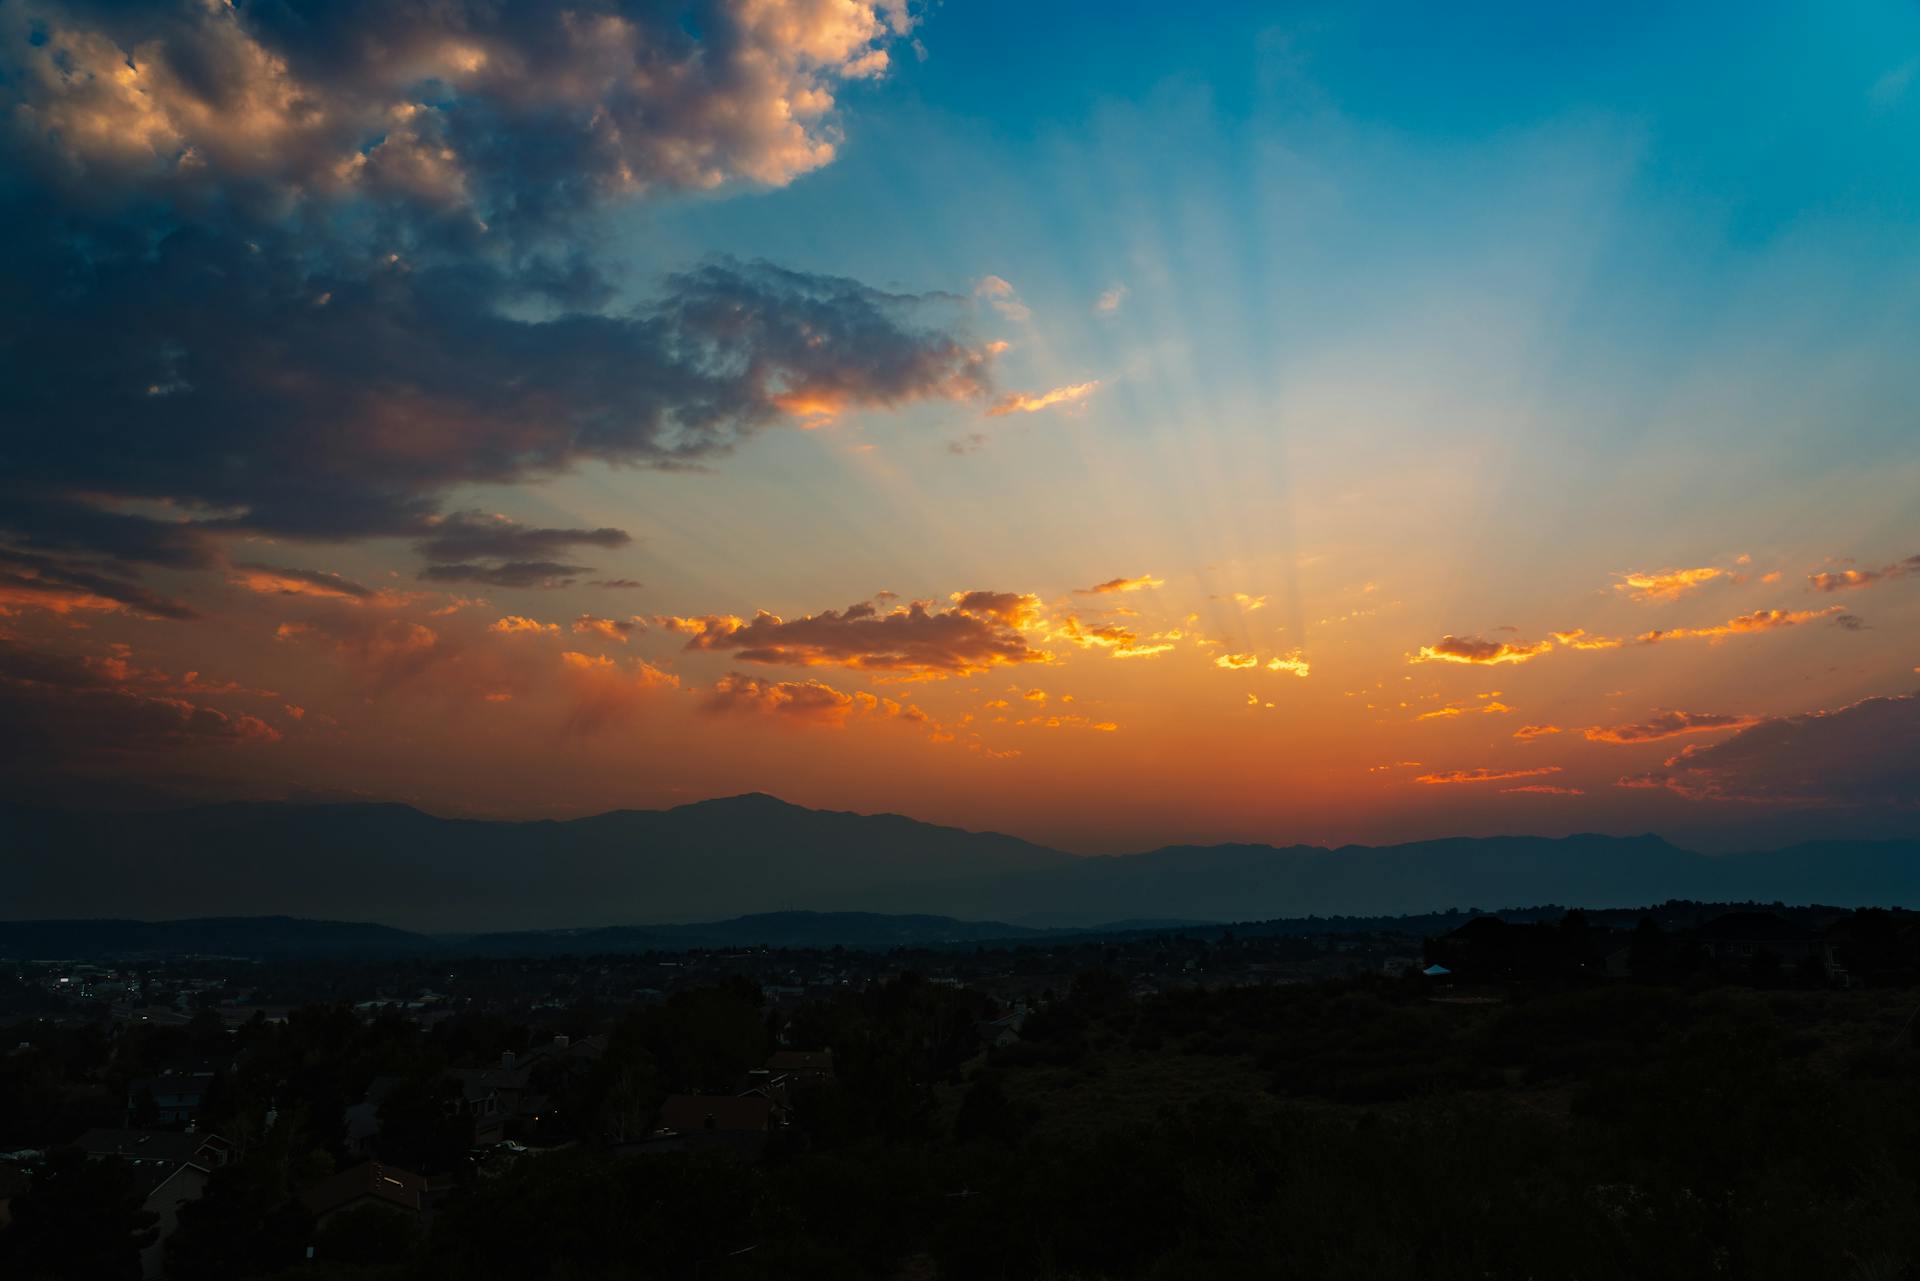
(851, 403)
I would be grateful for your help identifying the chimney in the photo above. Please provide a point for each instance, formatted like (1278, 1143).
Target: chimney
(506, 1059)
(561, 1042)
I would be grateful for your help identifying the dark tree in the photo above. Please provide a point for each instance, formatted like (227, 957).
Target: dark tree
(80, 1219)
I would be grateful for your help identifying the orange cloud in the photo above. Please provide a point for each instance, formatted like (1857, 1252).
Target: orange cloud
(1476, 649)
(1528, 732)
(604, 693)
(1761, 620)
(1484, 775)
(1237, 662)
(1668, 725)
(1665, 584)
(84, 712)
(1292, 662)
(1541, 789)
(1842, 579)
(1023, 403)
(1495, 708)
(1578, 639)
(1015, 609)
(912, 640)
(1119, 641)
(613, 629)
(43, 583)
(1067, 722)
(517, 624)
(812, 702)
(1119, 585)
(279, 580)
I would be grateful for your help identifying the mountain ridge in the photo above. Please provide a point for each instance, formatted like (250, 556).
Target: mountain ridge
(736, 856)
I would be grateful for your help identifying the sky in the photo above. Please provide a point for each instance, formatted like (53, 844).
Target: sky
(1106, 424)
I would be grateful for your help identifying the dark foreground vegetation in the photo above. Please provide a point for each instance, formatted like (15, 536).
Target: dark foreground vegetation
(1523, 1117)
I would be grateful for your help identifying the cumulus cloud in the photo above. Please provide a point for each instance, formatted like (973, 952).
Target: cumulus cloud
(1760, 620)
(519, 625)
(1015, 609)
(603, 694)
(613, 629)
(1862, 756)
(1479, 650)
(809, 701)
(495, 111)
(303, 270)
(812, 702)
(912, 641)
(1669, 725)
(1483, 775)
(1020, 402)
(1835, 580)
(1665, 584)
(384, 653)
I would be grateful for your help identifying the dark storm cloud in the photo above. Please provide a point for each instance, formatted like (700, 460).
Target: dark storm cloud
(64, 711)
(301, 269)
(473, 535)
(290, 581)
(46, 582)
(515, 573)
(263, 397)
(1866, 754)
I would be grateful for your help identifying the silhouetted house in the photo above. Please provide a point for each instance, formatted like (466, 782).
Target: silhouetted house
(169, 1169)
(369, 1183)
(1739, 939)
(173, 1097)
(802, 1067)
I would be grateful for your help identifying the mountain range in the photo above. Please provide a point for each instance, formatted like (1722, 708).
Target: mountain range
(757, 854)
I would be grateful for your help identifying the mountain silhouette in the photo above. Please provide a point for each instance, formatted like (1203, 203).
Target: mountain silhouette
(757, 854)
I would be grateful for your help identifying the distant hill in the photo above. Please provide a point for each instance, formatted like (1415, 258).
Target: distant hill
(754, 854)
(764, 929)
(255, 937)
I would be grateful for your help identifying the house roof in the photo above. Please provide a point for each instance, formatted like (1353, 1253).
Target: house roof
(386, 1183)
(691, 1113)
